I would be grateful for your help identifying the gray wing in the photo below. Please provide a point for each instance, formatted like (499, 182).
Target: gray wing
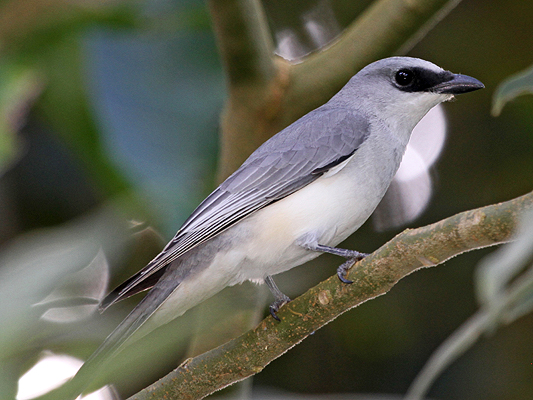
(288, 161)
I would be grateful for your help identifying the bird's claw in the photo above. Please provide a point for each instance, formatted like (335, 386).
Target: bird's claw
(344, 267)
(276, 305)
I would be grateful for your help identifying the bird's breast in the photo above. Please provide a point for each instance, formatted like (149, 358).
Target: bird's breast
(331, 208)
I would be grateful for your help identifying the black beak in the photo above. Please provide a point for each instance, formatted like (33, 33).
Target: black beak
(458, 84)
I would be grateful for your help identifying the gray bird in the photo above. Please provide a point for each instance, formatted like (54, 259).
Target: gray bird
(297, 196)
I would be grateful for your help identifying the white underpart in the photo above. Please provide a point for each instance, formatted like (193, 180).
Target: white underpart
(327, 210)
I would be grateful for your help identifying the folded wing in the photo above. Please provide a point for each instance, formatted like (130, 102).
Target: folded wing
(290, 160)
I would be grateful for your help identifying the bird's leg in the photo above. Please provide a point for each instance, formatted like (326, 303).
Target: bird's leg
(352, 255)
(279, 298)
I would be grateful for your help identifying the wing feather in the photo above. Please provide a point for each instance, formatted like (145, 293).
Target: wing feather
(290, 160)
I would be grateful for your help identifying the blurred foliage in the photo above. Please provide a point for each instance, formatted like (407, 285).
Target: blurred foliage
(117, 101)
(38, 269)
(18, 87)
(516, 85)
(504, 283)
(99, 101)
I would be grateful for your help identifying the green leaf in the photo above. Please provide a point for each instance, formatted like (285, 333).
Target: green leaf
(39, 263)
(18, 87)
(512, 87)
(65, 107)
(496, 271)
(158, 116)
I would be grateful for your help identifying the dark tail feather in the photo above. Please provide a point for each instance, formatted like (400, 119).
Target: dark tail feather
(117, 294)
(104, 353)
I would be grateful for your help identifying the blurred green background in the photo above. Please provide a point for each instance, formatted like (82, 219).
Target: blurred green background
(109, 113)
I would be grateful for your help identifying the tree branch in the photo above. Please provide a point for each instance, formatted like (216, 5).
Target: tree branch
(409, 251)
(243, 40)
(247, 53)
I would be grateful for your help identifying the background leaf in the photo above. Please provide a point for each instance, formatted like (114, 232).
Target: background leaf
(516, 85)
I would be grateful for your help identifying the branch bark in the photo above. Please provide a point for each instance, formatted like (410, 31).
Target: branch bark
(374, 276)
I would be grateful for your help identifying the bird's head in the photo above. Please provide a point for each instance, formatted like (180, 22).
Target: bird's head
(401, 90)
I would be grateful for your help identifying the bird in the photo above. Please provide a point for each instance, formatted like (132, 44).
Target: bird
(299, 195)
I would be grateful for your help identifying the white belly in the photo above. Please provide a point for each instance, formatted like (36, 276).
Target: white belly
(331, 208)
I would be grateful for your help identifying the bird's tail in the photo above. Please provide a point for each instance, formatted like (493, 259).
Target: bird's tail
(131, 324)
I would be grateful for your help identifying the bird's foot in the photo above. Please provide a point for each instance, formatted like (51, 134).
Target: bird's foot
(342, 270)
(277, 304)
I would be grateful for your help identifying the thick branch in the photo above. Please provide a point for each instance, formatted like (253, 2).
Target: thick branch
(409, 251)
(244, 40)
(254, 79)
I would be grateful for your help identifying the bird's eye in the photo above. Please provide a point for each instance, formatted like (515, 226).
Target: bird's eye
(404, 77)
